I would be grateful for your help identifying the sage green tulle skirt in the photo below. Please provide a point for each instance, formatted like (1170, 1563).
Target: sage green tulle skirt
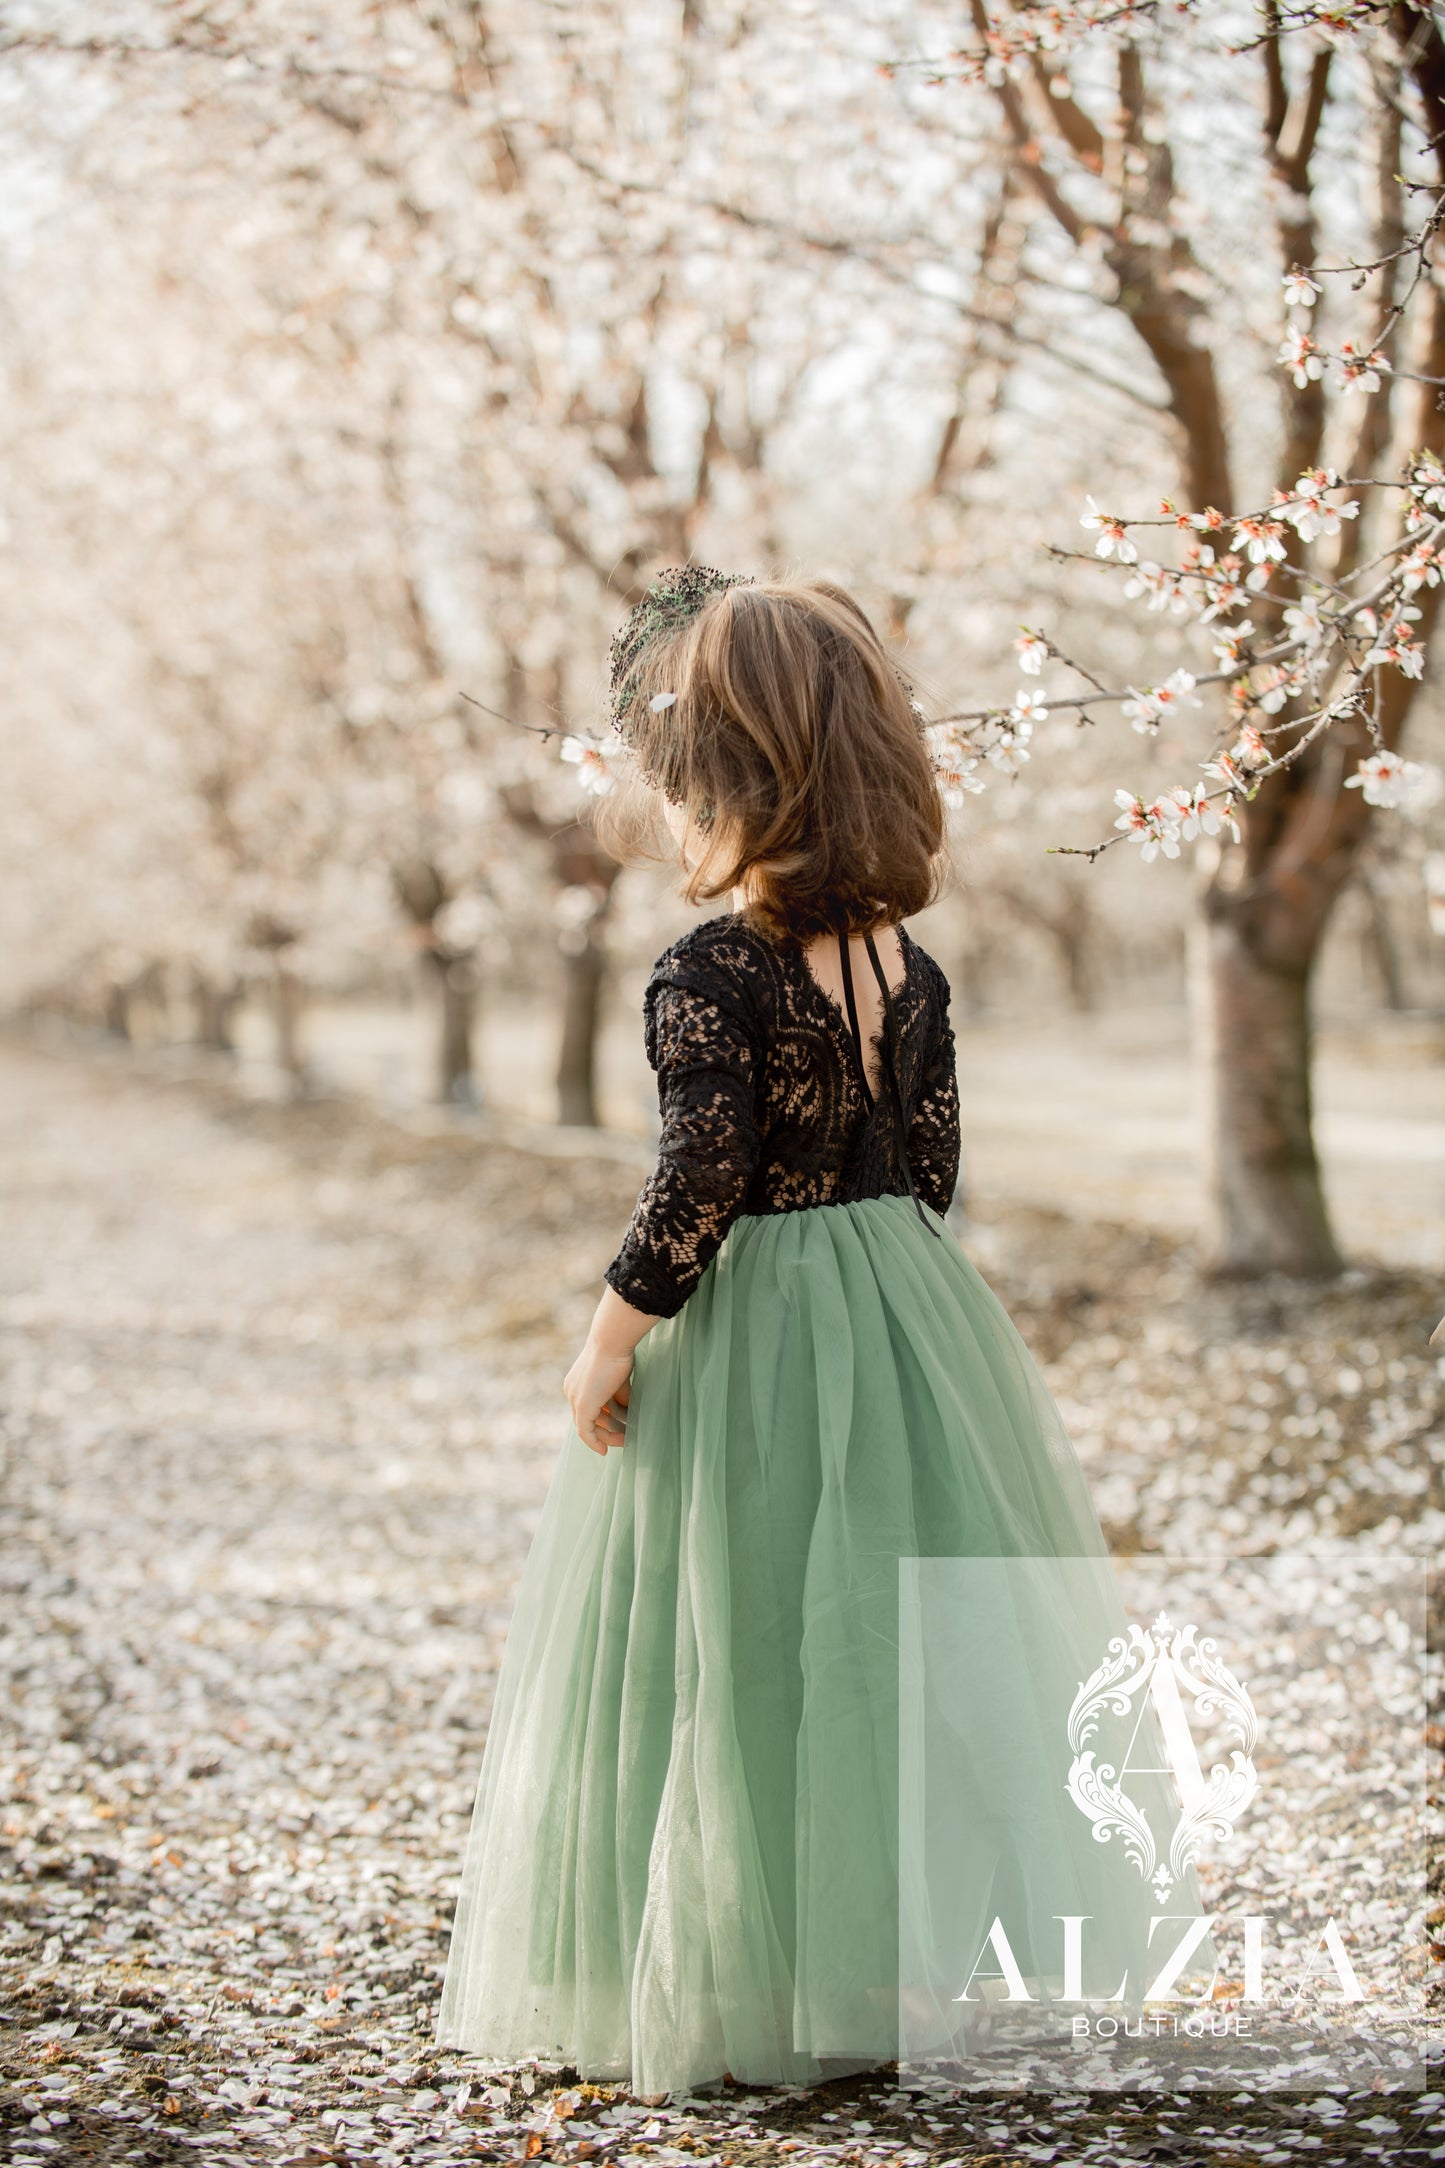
(684, 1856)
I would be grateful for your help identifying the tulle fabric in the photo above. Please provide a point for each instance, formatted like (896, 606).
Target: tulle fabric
(684, 1856)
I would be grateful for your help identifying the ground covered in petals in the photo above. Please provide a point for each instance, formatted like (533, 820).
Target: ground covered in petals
(280, 1400)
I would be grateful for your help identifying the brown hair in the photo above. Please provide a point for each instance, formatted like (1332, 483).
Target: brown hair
(797, 753)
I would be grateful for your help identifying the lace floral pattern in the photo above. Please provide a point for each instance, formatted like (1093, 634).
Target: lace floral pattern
(763, 1106)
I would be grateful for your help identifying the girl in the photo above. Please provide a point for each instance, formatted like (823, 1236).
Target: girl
(684, 1859)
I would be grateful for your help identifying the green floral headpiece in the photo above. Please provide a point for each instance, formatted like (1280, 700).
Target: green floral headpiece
(671, 602)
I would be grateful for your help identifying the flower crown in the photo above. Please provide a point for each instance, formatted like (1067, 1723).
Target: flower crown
(671, 602)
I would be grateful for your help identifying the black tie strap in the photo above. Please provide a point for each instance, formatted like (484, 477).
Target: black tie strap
(890, 1067)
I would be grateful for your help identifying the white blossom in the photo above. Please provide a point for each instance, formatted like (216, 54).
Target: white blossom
(1358, 370)
(1198, 816)
(1154, 827)
(1235, 767)
(1427, 479)
(1385, 779)
(956, 764)
(591, 758)
(1143, 710)
(1420, 569)
(1261, 540)
(1299, 354)
(1398, 645)
(1113, 539)
(1310, 515)
(1009, 749)
(1229, 645)
(1304, 621)
(1160, 585)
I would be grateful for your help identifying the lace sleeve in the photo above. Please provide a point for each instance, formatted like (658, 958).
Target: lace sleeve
(933, 1134)
(701, 1040)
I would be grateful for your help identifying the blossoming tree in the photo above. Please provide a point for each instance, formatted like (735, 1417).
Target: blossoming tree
(1320, 591)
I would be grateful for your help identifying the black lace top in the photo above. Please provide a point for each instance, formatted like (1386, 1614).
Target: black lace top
(764, 1104)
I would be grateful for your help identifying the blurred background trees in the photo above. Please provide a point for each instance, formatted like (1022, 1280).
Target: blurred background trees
(361, 365)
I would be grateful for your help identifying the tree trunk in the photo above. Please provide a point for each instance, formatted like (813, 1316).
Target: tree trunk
(117, 1011)
(213, 1007)
(287, 1001)
(1267, 1201)
(456, 1076)
(586, 877)
(1067, 922)
(584, 968)
(1380, 944)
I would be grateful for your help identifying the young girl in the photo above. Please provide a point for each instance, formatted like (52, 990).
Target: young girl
(684, 1860)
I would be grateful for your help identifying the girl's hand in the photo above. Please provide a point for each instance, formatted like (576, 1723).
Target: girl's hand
(598, 1389)
(598, 1385)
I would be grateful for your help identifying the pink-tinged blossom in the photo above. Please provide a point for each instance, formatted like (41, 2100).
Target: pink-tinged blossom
(1421, 568)
(1358, 370)
(1236, 767)
(1385, 779)
(1032, 650)
(1144, 710)
(1222, 585)
(1154, 827)
(1399, 645)
(1427, 479)
(1300, 291)
(1113, 539)
(1261, 540)
(1229, 645)
(1310, 515)
(1271, 690)
(1209, 521)
(1227, 770)
(1197, 816)
(1299, 354)
(589, 757)
(955, 764)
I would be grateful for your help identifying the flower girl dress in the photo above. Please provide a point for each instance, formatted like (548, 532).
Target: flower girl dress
(684, 1855)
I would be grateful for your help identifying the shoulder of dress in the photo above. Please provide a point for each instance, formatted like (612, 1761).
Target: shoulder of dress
(720, 949)
(931, 970)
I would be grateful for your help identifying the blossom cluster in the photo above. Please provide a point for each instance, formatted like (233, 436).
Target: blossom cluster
(1324, 624)
(961, 753)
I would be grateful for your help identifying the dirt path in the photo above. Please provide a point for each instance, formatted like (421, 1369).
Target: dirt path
(280, 1404)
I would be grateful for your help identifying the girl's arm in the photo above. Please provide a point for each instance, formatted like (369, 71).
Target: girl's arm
(699, 1039)
(933, 1135)
(597, 1386)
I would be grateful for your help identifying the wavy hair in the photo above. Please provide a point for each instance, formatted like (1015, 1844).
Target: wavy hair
(797, 754)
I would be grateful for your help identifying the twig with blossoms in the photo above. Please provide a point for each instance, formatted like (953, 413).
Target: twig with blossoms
(1353, 633)
(1180, 814)
(578, 748)
(1361, 368)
